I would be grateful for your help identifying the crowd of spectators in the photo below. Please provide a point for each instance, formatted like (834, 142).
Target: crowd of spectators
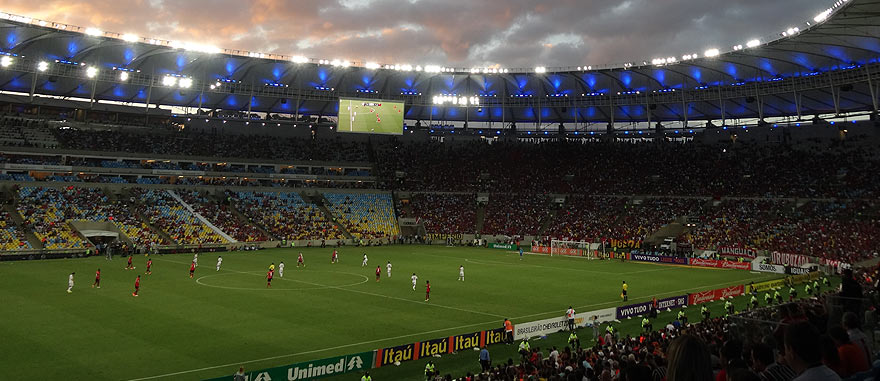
(11, 236)
(442, 213)
(163, 211)
(222, 216)
(367, 216)
(285, 215)
(515, 214)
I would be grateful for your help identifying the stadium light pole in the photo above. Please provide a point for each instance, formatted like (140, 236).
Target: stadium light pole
(871, 87)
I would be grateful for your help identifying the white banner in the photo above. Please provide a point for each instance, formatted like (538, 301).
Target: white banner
(174, 172)
(38, 167)
(768, 268)
(553, 325)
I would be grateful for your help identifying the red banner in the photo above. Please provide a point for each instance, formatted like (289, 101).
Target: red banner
(785, 259)
(713, 295)
(558, 250)
(720, 264)
(541, 249)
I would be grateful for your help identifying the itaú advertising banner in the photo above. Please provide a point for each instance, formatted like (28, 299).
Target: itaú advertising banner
(658, 259)
(642, 308)
(700, 262)
(768, 268)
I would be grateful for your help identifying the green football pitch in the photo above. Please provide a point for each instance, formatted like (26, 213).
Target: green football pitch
(207, 326)
(370, 116)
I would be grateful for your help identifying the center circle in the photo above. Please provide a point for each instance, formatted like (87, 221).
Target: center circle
(293, 281)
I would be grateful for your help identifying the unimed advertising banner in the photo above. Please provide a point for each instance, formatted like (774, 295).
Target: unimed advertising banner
(642, 308)
(506, 246)
(310, 370)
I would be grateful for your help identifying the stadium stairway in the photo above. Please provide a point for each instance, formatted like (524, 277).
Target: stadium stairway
(322, 202)
(548, 220)
(481, 217)
(219, 198)
(672, 229)
(200, 217)
(18, 221)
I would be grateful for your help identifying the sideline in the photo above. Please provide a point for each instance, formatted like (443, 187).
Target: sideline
(556, 313)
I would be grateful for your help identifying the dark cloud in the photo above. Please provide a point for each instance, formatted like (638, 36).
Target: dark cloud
(512, 33)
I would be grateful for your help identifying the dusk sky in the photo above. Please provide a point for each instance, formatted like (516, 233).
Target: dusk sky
(461, 33)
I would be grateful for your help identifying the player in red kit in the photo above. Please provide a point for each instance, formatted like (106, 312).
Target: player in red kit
(129, 267)
(97, 279)
(137, 286)
(269, 275)
(149, 266)
(427, 290)
(299, 261)
(335, 257)
(378, 273)
(192, 269)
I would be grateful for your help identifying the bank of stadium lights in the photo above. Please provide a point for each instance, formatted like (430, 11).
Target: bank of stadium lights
(540, 69)
(91, 72)
(94, 32)
(584, 68)
(711, 53)
(689, 56)
(5, 61)
(753, 43)
(201, 48)
(42, 66)
(456, 100)
(790, 32)
(128, 37)
(372, 65)
(299, 59)
(663, 61)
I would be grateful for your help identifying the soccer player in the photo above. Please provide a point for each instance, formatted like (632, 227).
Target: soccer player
(129, 266)
(364, 263)
(461, 273)
(70, 283)
(192, 269)
(269, 275)
(415, 279)
(281, 269)
(196, 259)
(149, 266)
(520, 254)
(569, 314)
(272, 267)
(378, 272)
(299, 260)
(427, 290)
(137, 286)
(97, 279)
(623, 291)
(388, 267)
(335, 257)
(219, 261)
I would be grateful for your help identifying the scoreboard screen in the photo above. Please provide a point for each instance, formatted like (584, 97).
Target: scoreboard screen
(370, 116)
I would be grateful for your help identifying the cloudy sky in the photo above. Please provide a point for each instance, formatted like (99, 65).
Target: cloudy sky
(461, 33)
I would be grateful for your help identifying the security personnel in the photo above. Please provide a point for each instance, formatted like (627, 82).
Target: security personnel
(705, 312)
(816, 290)
(646, 324)
(826, 282)
(609, 329)
(429, 370)
(754, 301)
(573, 340)
(524, 348)
(768, 299)
(792, 293)
(682, 317)
(366, 377)
(728, 306)
(808, 289)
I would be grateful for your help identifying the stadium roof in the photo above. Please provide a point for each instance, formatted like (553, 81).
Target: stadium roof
(829, 67)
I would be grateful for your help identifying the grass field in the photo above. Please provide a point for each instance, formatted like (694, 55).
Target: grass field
(370, 116)
(205, 327)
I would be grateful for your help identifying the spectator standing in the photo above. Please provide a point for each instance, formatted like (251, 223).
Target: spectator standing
(803, 354)
(485, 362)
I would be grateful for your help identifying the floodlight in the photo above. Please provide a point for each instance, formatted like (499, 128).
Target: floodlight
(43, 66)
(130, 37)
(540, 69)
(94, 32)
(123, 76)
(169, 80)
(753, 43)
(5, 61)
(372, 65)
(185, 83)
(299, 59)
(91, 72)
(711, 52)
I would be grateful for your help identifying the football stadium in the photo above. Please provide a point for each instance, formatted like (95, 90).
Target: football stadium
(175, 210)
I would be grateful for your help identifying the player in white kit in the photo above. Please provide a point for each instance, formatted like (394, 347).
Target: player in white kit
(415, 279)
(364, 263)
(461, 273)
(70, 283)
(281, 269)
(219, 261)
(196, 259)
(388, 266)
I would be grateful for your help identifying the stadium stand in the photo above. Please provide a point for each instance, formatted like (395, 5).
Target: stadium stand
(366, 216)
(11, 237)
(514, 214)
(285, 215)
(222, 217)
(179, 223)
(444, 213)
